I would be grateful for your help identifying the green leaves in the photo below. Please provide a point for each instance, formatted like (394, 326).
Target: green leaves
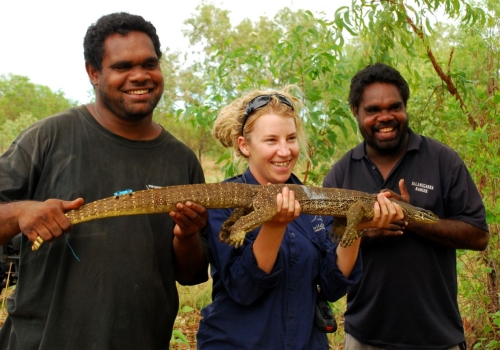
(10, 129)
(19, 95)
(22, 103)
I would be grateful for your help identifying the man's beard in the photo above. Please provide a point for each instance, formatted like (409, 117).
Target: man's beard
(120, 110)
(386, 147)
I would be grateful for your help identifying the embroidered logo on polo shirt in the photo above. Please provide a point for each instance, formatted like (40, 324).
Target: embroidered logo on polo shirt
(318, 224)
(420, 187)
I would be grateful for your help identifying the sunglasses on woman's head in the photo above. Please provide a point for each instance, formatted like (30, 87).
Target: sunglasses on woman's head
(261, 101)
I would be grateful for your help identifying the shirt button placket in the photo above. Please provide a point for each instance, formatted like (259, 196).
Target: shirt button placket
(292, 293)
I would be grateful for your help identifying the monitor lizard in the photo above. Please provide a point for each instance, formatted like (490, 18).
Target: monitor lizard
(254, 204)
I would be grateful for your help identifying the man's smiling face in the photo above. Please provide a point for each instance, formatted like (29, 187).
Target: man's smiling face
(130, 83)
(382, 118)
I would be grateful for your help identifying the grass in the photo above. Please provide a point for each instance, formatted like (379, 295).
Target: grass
(6, 292)
(191, 300)
(212, 170)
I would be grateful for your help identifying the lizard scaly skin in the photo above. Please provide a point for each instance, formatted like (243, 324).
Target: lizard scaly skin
(255, 204)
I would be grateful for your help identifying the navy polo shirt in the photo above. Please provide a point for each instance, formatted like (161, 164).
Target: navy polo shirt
(407, 297)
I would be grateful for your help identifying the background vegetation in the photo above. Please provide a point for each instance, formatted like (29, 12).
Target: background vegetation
(448, 50)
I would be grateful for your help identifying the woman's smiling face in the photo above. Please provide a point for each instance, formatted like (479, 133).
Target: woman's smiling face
(272, 148)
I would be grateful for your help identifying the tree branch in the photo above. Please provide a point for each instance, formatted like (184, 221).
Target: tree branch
(444, 77)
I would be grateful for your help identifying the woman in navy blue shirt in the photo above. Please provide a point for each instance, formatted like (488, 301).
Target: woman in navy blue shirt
(264, 292)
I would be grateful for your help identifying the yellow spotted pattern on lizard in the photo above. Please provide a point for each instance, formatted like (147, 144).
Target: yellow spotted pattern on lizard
(254, 204)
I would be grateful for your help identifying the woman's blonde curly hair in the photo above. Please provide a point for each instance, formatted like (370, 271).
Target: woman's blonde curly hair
(228, 125)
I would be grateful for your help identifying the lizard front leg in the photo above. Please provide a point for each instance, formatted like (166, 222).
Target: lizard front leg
(356, 213)
(225, 230)
(265, 207)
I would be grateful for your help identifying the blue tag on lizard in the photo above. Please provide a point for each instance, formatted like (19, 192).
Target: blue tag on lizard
(122, 193)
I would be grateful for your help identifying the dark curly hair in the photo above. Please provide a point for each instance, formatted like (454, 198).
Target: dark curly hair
(121, 23)
(376, 73)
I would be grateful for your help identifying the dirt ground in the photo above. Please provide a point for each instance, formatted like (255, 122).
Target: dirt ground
(187, 323)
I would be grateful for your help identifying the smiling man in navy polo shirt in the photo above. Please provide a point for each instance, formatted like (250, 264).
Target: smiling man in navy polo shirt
(407, 298)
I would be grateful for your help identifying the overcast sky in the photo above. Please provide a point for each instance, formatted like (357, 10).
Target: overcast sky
(43, 40)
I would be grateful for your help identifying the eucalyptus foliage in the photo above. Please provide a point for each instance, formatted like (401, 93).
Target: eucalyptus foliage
(22, 103)
(19, 95)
